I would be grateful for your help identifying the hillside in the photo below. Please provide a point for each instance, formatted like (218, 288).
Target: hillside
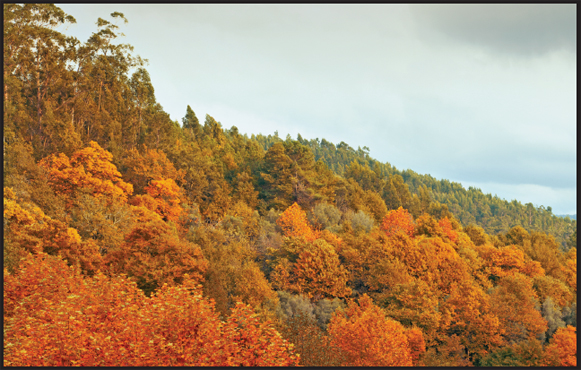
(134, 240)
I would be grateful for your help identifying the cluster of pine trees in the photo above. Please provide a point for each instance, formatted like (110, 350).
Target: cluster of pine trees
(132, 240)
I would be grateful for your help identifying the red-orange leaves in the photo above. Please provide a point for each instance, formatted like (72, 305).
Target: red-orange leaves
(447, 229)
(56, 317)
(367, 337)
(89, 168)
(293, 222)
(257, 343)
(396, 221)
(416, 343)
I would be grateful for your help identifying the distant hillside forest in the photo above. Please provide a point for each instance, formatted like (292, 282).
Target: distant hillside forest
(134, 240)
(470, 206)
(572, 217)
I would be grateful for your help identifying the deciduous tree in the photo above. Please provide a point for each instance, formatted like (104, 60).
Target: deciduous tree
(153, 254)
(562, 350)
(89, 168)
(513, 301)
(396, 221)
(294, 223)
(367, 337)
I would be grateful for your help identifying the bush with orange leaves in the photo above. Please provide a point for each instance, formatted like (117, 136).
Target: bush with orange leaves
(56, 317)
(396, 221)
(367, 337)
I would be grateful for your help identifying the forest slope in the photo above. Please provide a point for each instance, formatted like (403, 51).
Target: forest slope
(134, 240)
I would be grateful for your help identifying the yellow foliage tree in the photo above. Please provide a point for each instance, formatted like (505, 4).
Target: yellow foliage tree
(31, 231)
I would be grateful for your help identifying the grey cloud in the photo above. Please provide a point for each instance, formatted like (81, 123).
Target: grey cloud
(515, 29)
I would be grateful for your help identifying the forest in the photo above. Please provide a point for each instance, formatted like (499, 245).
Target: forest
(134, 240)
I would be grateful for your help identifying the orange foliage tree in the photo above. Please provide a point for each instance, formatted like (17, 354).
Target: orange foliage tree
(506, 261)
(399, 220)
(548, 286)
(448, 230)
(153, 164)
(313, 269)
(562, 350)
(414, 304)
(56, 317)
(319, 273)
(163, 197)
(155, 175)
(367, 337)
(153, 254)
(569, 270)
(416, 343)
(432, 260)
(310, 341)
(468, 311)
(233, 274)
(294, 223)
(513, 301)
(89, 168)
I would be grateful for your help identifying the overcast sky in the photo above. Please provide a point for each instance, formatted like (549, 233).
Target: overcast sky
(484, 95)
